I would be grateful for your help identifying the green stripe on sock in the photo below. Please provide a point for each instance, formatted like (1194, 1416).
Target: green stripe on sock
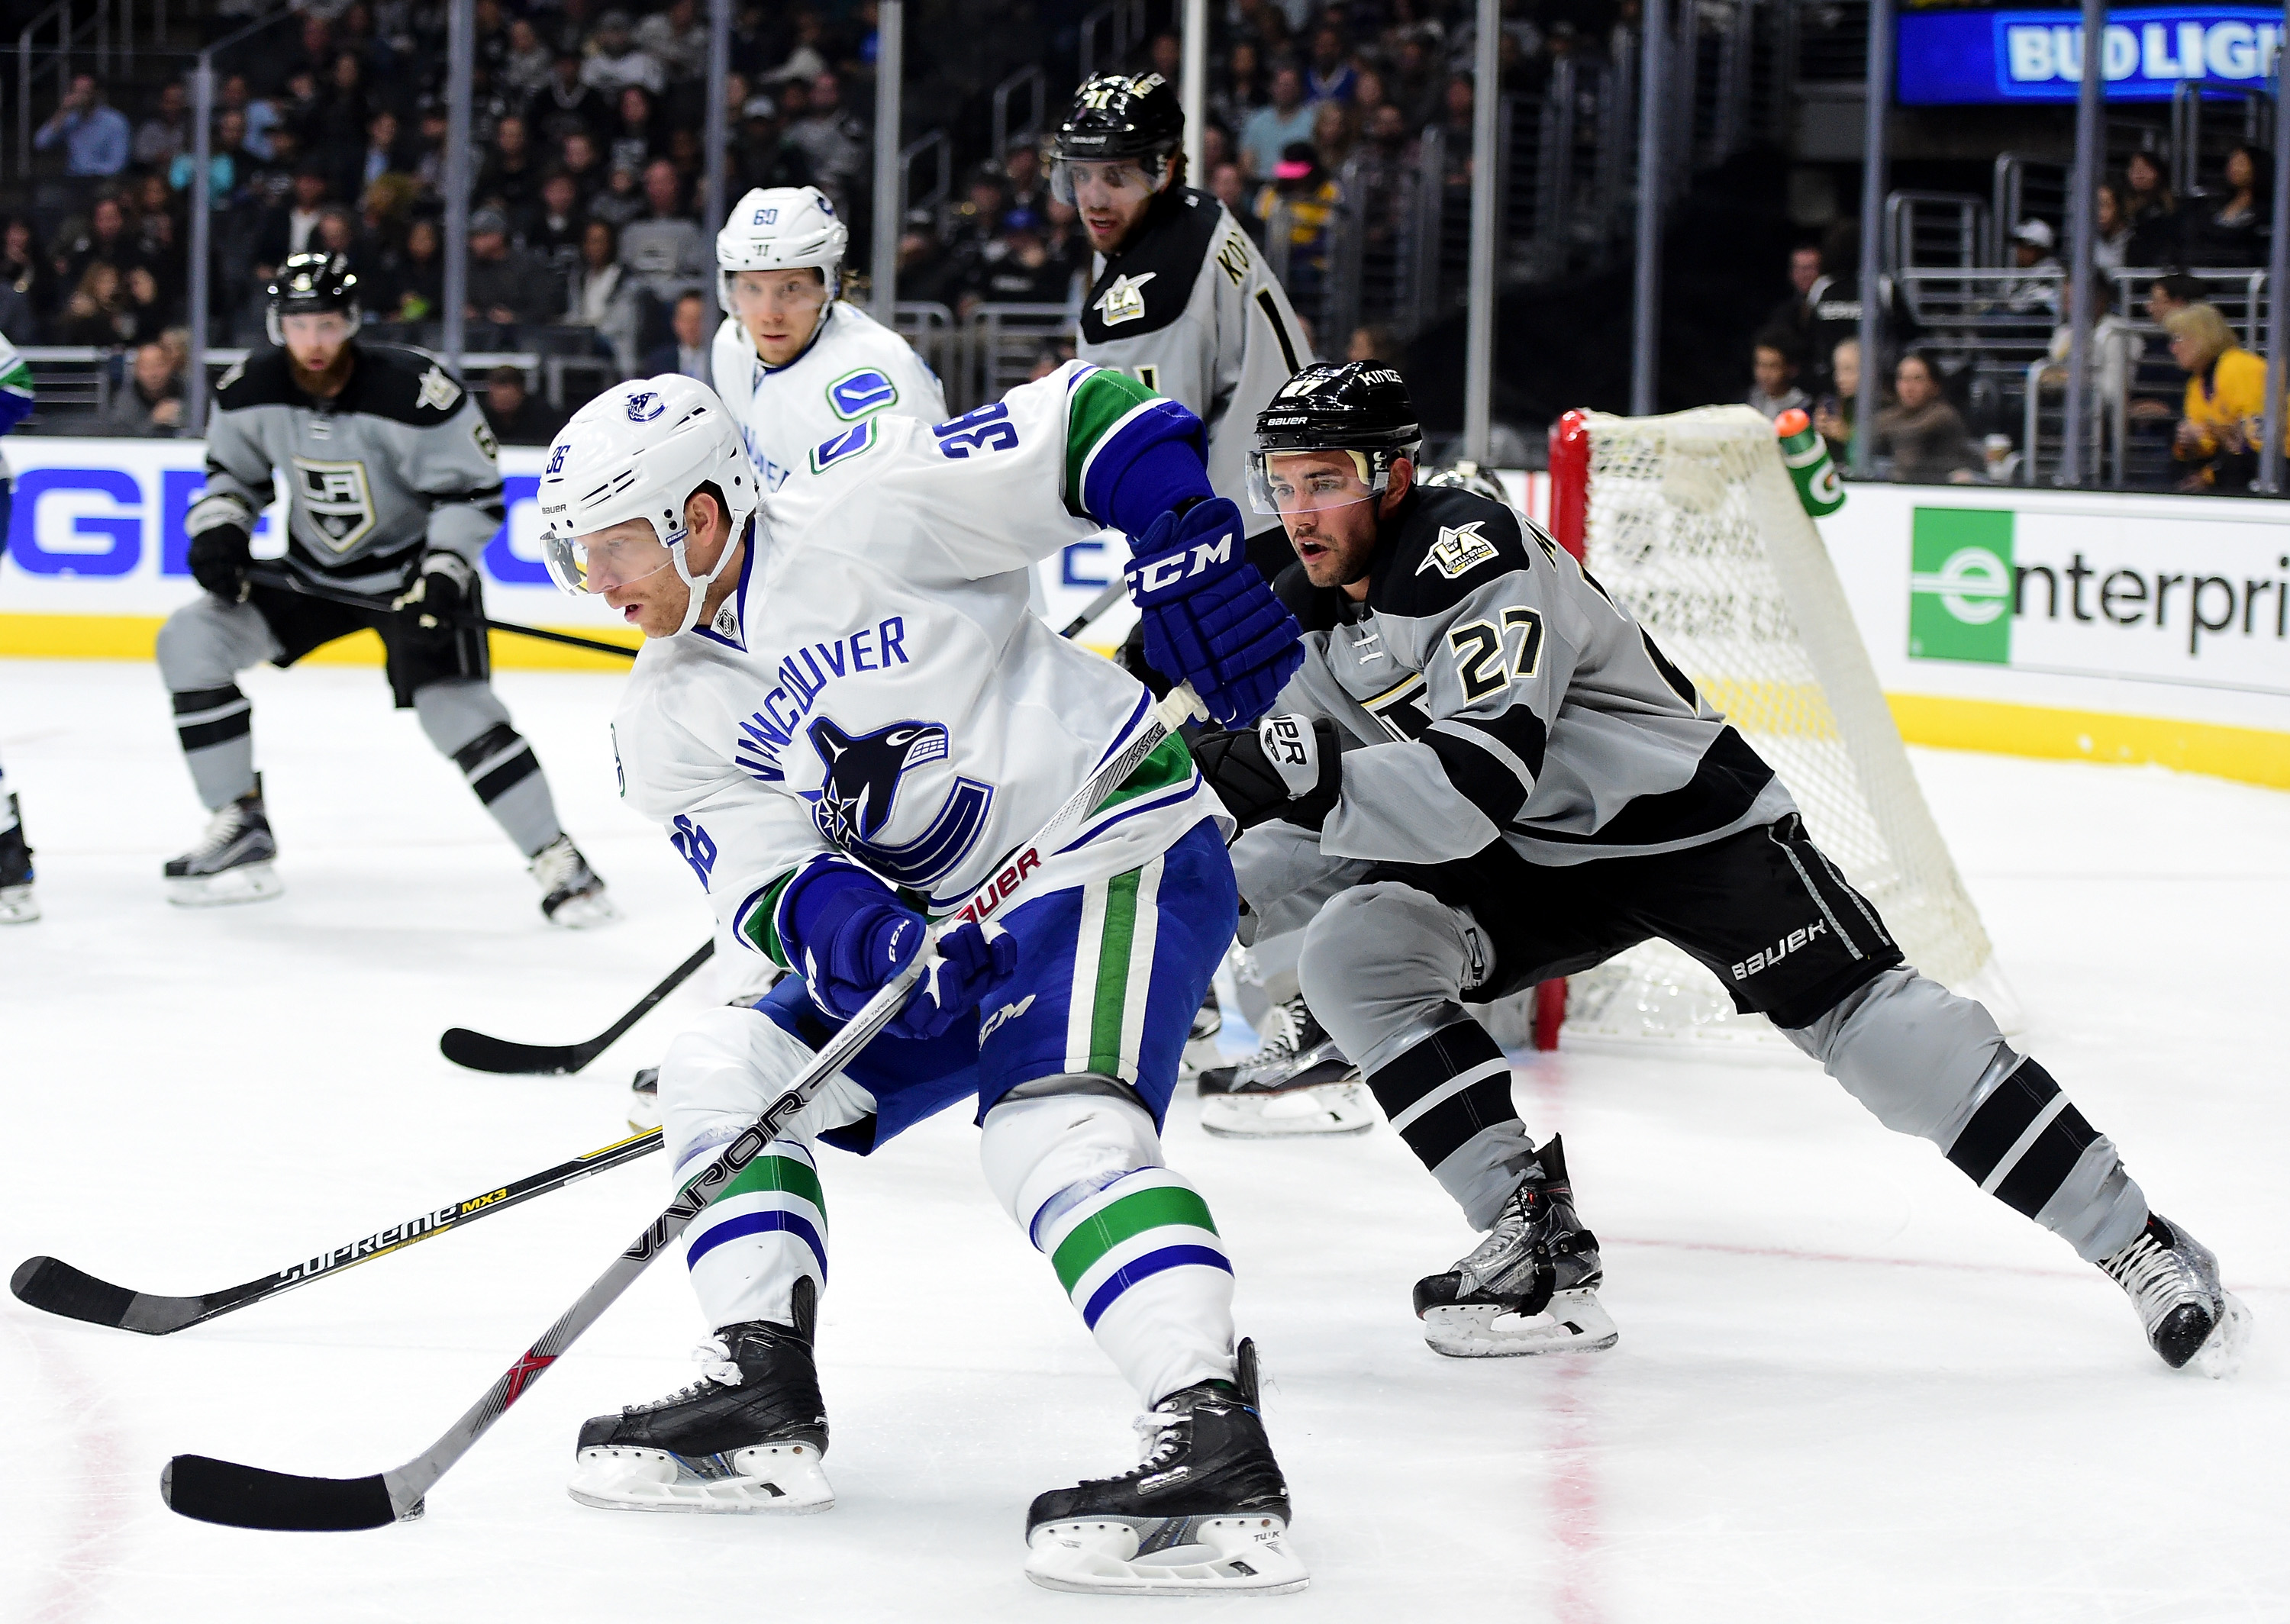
(775, 1172)
(1098, 402)
(1148, 1209)
(1113, 974)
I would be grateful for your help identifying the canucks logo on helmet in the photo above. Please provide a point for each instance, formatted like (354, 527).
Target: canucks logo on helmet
(644, 407)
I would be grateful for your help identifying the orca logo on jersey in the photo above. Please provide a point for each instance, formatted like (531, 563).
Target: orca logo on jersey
(644, 407)
(855, 802)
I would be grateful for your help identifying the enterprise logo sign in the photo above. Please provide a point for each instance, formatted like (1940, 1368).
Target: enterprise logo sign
(1959, 57)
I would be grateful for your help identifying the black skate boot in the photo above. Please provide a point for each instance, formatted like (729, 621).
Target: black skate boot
(1531, 1287)
(2173, 1279)
(643, 1099)
(233, 860)
(749, 1435)
(17, 904)
(1298, 1082)
(572, 895)
(1206, 1511)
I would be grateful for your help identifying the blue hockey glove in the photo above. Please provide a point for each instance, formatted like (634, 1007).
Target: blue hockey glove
(1207, 615)
(848, 933)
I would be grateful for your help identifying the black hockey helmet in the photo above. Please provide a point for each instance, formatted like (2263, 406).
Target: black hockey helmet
(1113, 116)
(1359, 406)
(312, 285)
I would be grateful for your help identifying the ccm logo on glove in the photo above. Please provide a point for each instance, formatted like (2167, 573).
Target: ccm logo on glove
(1162, 573)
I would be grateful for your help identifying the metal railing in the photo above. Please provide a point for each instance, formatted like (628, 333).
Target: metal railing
(2200, 137)
(1029, 78)
(1937, 229)
(2043, 429)
(81, 29)
(936, 143)
(2023, 188)
(1122, 22)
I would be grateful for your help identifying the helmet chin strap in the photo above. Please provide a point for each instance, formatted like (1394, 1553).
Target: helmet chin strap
(697, 584)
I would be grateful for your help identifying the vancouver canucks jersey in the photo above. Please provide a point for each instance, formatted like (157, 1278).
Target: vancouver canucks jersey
(400, 463)
(1189, 309)
(1493, 691)
(875, 684)
(852, 369)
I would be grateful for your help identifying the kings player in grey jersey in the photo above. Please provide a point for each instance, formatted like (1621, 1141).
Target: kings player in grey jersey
(1181, 301)
(1487, 774)
(396, 491)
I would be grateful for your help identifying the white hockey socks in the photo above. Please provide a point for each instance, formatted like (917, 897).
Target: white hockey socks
(1132, 1243)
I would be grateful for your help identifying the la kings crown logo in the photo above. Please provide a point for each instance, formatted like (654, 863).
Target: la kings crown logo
(337, 500)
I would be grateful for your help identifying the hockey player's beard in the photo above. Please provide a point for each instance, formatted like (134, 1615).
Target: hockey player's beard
(326, 381)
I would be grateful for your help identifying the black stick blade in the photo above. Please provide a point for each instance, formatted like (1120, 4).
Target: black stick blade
(480, 1052)
(248, 1497)
(55, 1286)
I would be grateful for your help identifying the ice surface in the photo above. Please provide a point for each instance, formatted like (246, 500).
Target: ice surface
(1848, 1387)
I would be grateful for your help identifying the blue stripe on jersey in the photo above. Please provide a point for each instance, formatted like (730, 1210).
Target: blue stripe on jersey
(1144, 1269)
(759, 1223)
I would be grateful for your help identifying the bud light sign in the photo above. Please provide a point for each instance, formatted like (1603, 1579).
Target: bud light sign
(1952, 57)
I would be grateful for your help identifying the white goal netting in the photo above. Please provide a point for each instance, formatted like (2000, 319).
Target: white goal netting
(1693, 523)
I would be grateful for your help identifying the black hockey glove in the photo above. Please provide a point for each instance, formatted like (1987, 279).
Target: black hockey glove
(1289, 767)
(219, 558)
(439, 594)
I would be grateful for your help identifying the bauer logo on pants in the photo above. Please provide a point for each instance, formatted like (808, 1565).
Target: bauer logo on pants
(1960, 587)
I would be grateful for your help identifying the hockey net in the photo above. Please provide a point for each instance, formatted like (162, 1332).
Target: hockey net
(1693, 523)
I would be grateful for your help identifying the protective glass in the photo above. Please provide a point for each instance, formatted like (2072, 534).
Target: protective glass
(756, 292)
(1114, 183)
(1286, 483)
(598, 563)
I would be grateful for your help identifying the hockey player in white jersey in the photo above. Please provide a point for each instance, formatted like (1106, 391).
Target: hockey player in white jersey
(846, 718)
(1487, 774)
(796, 364)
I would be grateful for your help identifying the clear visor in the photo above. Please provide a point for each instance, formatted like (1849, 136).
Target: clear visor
(1110, 183)
(1291, 483)
(606, 559)
(791, 291)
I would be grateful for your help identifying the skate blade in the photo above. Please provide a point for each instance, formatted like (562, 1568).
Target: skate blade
(2221, 1355)
(17, 906)
(776, 1479)
(1575, 1322)
(1331, 1109)
(584, 913)
(249, 883)
(1225, 1555)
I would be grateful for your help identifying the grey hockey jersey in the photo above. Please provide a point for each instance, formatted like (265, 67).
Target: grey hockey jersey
(1191, 311)
(1493, 691)
(402, 461)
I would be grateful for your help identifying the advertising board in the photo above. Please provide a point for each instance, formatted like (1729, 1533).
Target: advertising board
(1956, 58)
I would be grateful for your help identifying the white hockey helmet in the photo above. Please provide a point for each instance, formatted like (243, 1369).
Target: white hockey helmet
(639, 450)
(781, 227)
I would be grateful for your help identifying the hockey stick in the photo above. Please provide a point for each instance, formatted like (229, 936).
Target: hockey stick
(250, 1497)
(56, 1287)
(1095, 607)
(287, 581)
(480, 1052)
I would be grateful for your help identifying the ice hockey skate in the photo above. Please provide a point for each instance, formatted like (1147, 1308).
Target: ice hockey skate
(571, 894)
(643, 1099)
(1531, 1287)
(749, 1435)
(2192, 1321)
(17, 904)
(1201, 1050)
(1206, 1512)
(1297, 1083)
(233, 860)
